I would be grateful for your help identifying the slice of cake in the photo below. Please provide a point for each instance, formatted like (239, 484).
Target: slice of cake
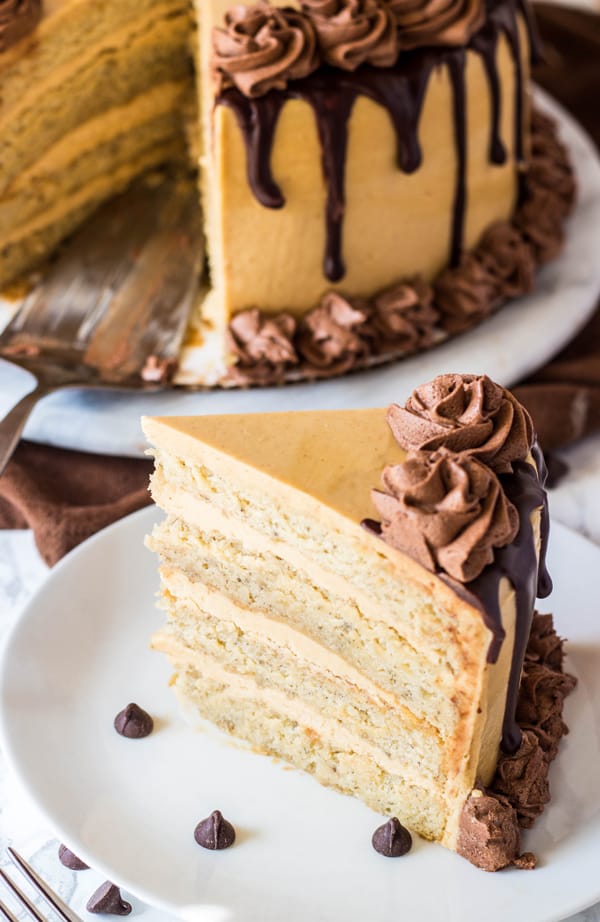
(372, 635)
(372, 178)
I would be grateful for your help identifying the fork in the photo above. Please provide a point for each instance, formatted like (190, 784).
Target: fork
(112, 309)
(53, 900)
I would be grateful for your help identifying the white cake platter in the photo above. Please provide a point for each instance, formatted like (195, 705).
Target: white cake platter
(520, 338)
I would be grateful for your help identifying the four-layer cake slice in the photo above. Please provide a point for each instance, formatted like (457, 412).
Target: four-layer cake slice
(374, 637)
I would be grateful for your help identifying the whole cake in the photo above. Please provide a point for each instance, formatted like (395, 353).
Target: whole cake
(372, 176)
(357, 597)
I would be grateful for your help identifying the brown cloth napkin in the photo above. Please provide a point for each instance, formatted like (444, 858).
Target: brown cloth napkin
(67, 496)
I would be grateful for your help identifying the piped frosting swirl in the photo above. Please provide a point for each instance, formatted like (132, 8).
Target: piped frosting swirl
(436, 22)
(261, 47)
(465, 413)
(330, 336)
(447, 510)
(354, 32)
(18, 18)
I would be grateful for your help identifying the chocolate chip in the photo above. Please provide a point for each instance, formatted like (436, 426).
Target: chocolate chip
(214, 832)
(107, 899)
(392, 839)
(71, 861)
(133, 722)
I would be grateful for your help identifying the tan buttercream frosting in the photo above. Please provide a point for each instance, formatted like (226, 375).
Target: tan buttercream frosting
(465, 413)
(261, 47)
(354, 32)
(446, 510)
(17, 19)
(436, 22)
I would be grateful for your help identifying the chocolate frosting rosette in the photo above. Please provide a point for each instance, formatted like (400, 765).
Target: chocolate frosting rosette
(436, 22)
(262, 47)
(262, 345)
(354, 32)
(404, 316)
(465, 413)
(332, 335)
(448, 511)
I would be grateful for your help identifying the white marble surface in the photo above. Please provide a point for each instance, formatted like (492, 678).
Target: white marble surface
(576, 502)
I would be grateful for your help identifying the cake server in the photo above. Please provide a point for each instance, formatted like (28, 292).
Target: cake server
(112, 309)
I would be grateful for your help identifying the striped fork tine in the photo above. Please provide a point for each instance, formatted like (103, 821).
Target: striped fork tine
(43, 889)
(8, 915)
(22, 897)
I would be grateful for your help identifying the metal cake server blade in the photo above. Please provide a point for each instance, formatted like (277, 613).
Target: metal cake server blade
(112, 309)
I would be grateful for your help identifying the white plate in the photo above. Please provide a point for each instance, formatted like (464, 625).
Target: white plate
(129, 807)
(517, 340)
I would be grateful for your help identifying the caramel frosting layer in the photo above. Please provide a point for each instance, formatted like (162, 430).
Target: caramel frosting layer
(446, 510)
(436, 22)
(261, 47)
(354, 32)
(465, 413)
(18, 18)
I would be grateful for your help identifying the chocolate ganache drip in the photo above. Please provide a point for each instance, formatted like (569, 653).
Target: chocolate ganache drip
(455, 524)
(332, 91)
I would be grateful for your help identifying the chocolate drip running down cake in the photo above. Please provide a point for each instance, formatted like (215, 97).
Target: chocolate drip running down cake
(372, 176)
(356, 596)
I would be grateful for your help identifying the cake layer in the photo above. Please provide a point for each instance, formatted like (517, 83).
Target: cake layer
(40, 236)
(97, 77)
(100, 145)
(333, 560)
(272, 725)
(285, 601)
(95, 96)
(381, 723)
